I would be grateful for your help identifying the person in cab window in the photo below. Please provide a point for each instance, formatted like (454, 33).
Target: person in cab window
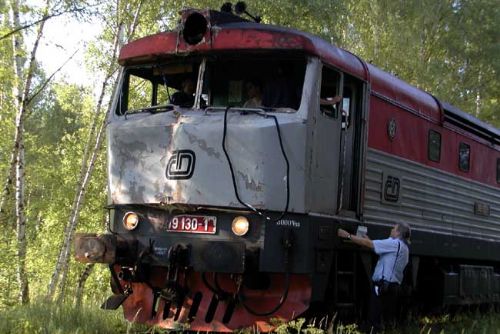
(184, 97)
(330, 101)
(387, 277)
(329, 106)
(254, 94)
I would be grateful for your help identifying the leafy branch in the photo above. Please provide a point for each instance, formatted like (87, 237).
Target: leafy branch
(42, 19)
(47, 81)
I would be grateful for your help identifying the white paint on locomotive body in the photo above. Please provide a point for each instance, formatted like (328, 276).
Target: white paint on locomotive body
(288, 223)
(141, 145)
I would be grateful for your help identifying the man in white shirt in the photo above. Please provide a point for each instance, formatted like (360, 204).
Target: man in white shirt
(393, 255)
(254, 93)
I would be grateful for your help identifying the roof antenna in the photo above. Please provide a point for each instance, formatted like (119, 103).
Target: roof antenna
(227, 7)
(241, 7)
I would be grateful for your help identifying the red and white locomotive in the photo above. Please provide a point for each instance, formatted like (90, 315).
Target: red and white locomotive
(224, 216)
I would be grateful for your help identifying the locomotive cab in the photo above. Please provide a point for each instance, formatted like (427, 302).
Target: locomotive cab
(208, 196)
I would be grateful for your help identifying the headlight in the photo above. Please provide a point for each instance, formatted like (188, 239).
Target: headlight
(130, 220)
(240, 226)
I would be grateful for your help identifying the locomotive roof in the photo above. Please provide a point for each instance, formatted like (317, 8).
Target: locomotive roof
(249, 36)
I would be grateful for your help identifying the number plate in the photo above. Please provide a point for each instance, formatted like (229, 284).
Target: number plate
(193, 224)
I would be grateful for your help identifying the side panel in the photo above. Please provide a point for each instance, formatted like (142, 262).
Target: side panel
(431, 201)
(411, 129)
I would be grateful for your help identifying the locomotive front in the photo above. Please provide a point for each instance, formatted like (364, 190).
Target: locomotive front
(207, 179)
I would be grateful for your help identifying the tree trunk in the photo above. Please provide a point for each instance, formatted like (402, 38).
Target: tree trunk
(61, 268)
(22, 276)
(81, 283)
(478, 100)
(73, 222)
(17, 44)
(85, 175)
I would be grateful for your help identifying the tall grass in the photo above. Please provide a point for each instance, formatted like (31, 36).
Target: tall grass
(471, 322)
(461, 323)
(47, 318)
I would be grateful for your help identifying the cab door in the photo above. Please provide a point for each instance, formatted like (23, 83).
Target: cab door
(353, 142)
(325, 129)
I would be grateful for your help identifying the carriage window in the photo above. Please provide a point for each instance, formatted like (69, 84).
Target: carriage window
(498, 170)
(464, 157)
(434, 146)
(330, 94)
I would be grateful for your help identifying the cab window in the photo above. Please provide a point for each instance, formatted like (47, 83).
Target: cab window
(330, 98)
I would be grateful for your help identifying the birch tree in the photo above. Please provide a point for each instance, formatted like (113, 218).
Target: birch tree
(59, 275)
(24, 93)
(81, 283)
(16, 34)
(23, 104)
(18, 61)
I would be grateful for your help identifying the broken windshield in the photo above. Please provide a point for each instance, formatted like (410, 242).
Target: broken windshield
(252, 81)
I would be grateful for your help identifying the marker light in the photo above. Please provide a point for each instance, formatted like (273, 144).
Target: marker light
(240, 226)
(130, 220)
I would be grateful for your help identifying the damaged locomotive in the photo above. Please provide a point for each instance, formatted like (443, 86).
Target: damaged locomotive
(224, 216)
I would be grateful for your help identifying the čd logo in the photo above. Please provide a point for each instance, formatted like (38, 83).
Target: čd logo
(181, 165)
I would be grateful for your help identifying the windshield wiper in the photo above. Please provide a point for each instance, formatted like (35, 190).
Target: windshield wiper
(153, 109)
(253, 109)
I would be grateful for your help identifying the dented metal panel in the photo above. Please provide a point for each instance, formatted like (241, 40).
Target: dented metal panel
(145, 148)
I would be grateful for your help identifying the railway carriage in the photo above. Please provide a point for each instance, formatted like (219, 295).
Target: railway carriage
(223, 217)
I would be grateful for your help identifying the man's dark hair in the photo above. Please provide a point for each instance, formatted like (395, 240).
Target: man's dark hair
(255, 82)
(404, 232)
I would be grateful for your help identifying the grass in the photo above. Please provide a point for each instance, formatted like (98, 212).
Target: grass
(471, 322)
(462, 323)
(46, 318)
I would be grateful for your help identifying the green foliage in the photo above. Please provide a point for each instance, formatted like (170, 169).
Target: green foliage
(463, 322)
(57, 135)
(447, 47)
(43, 318)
